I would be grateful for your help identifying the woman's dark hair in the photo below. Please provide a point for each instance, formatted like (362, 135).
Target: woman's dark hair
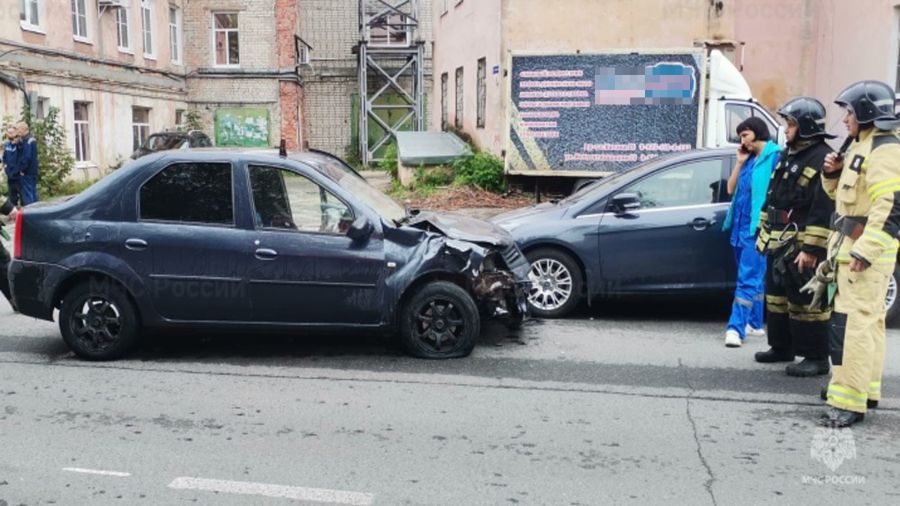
(755, 125)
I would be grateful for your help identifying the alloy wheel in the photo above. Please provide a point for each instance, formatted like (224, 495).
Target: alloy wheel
(551, 284)
(891, 297)
(439, 324)
(97, 324)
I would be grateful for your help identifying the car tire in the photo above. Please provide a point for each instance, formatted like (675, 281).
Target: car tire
(439, 321)
(892, 300)
(556, 283)
(98, 321)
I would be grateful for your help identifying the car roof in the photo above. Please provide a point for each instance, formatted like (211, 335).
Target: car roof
(238, 153)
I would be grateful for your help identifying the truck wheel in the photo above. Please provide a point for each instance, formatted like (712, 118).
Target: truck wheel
(891, 304)
(98, 321)
(556, 282)
(440, 321)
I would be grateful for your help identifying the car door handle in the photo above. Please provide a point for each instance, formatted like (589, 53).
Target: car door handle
(266, 254)
(136, 244)
(700, 224)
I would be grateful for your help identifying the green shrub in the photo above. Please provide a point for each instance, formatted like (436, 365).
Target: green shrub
(433, 177)
(389, 162)
(482, 170)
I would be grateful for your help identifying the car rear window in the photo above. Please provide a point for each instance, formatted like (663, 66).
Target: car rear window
(189, 193)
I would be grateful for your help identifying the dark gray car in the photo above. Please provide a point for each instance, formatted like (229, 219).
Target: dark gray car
(653, 230)
(252, 240)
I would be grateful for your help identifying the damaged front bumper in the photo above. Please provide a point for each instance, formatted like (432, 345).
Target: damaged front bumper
(499, 278)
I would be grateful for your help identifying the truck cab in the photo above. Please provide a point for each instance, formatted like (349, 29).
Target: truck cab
(730, 101)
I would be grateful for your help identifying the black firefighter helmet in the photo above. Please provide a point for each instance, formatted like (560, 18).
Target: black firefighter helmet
(871, 102)
(809, 114)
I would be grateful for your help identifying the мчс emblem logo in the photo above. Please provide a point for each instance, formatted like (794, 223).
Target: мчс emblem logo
(833, 446)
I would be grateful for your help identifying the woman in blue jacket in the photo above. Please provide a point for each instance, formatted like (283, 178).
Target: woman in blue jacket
(749, 181)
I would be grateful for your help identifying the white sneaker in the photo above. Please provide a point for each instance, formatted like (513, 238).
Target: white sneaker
(732, 339)
(750, 331)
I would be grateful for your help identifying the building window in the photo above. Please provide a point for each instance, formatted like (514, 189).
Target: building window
(140, 126)
(82, 132)
(42, 107)
(147, 27)
(30, 13)
(458, 121)
(175, 33)
(897, 48)
(179, 119)
(225, 35)
(79, 19)
(445, 108)
(481, 92)
(123, 33)
(390, 30)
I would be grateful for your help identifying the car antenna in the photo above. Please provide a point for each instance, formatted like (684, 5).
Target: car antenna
(282, 148)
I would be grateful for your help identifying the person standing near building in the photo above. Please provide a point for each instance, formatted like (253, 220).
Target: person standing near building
(862, 248)
(11, 154)
(793, 235)
(748, 183)
(28, 163)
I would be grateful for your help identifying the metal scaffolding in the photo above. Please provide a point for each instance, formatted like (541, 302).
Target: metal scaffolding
(391, 73)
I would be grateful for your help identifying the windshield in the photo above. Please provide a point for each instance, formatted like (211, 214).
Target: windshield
(360, 188)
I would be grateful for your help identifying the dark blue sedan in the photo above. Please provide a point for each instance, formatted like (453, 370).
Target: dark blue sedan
(652, 230)
(254, 240)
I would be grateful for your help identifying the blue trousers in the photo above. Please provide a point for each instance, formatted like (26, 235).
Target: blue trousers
(15, 191)
(29, 190)
(750, 293)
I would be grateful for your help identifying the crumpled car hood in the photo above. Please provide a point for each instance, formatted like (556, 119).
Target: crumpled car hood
(457, 226)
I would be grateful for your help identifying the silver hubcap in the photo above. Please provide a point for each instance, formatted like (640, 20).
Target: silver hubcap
(891, 297)
(551, 284)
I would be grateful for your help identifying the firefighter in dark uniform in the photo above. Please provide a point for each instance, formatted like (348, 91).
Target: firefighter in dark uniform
(793, 235)
(862, 250)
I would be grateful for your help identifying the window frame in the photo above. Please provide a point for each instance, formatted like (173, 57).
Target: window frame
(227, 31)
(147, 35)
(445, 102)
(459, 96)
(25, 15)
(123, 23)
(80, 16)
(251, 165)
(176, 40)
(138, 128)
(481, 93)
(234, 202)
(81, 133)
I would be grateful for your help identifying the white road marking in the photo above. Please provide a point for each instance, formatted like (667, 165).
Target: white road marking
(96, 471)
(323, 495)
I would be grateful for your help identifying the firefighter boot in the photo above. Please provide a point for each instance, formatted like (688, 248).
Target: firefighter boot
(840, 418)
(808, 367)
(774, 355)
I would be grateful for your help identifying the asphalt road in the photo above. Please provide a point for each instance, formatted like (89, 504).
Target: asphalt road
(629, 403)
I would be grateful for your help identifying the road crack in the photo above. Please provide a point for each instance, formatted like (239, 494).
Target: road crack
(708, 484)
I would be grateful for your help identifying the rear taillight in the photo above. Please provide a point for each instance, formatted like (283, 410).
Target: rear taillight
(17, 237)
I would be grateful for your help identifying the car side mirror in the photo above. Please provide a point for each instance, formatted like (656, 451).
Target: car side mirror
(360, 229)
(624, 203)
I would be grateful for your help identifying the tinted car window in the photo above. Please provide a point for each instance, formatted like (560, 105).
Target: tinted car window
(190, 192)
(692, 183)
(285, 200)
